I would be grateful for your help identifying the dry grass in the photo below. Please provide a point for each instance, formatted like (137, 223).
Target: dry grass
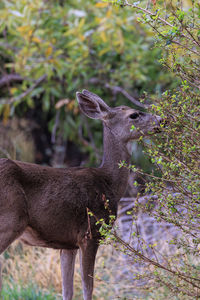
(24, 265)
(16, 141)
(31, 264)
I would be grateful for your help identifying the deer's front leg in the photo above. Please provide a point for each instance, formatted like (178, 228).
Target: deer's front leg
(67, 258)
(87, 261)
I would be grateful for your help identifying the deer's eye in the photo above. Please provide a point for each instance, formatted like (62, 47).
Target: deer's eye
(134, 115)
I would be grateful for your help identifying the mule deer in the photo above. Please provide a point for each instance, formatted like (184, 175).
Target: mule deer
(48, 207)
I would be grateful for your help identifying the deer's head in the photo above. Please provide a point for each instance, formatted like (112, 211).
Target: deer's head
(124, 122)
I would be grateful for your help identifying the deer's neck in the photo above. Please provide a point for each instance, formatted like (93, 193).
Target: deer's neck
(114, 153)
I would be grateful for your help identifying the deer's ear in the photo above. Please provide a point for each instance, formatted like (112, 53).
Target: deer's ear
(92, 105)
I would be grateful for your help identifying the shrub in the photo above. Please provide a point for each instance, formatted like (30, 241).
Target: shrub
(175, 153)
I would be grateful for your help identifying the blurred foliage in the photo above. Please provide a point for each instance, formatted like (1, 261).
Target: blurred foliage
(59, 47)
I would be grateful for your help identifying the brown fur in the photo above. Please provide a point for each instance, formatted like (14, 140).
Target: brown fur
(49, 207)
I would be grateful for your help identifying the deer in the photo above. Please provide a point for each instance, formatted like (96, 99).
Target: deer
(48, 207)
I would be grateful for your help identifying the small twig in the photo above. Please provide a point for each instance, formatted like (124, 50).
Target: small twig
(118, 89)
(153, 262)
(28, 91)
(147, 12)
(7, 45)
(53, 135)
(126, 3)
(192, 38)
(8, 78)
(89, 232)
(172, 41)
(5, 152)
(183, 77)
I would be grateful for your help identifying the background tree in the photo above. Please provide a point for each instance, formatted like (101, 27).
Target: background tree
(51, 49)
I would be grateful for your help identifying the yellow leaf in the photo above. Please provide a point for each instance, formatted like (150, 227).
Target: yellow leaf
(69, 32)
(48, 51)
(72, 43)
(13, 90)
(101, 5)
(103, 51)
(81, 23)
(58, 52)
(6, 113)
(82, 38)
(51, 60)
(103, 36)
(99, 20)
(30, 31)
(70, 105)
(23, 29)
(36, 40)
(109, 13)
(53, 41)
(26, 31)
(120, 38)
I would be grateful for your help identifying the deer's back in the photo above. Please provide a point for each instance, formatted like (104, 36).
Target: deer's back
(58, 201)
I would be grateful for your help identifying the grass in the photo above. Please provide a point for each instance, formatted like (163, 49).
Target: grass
(13, 291)
(34, 273)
